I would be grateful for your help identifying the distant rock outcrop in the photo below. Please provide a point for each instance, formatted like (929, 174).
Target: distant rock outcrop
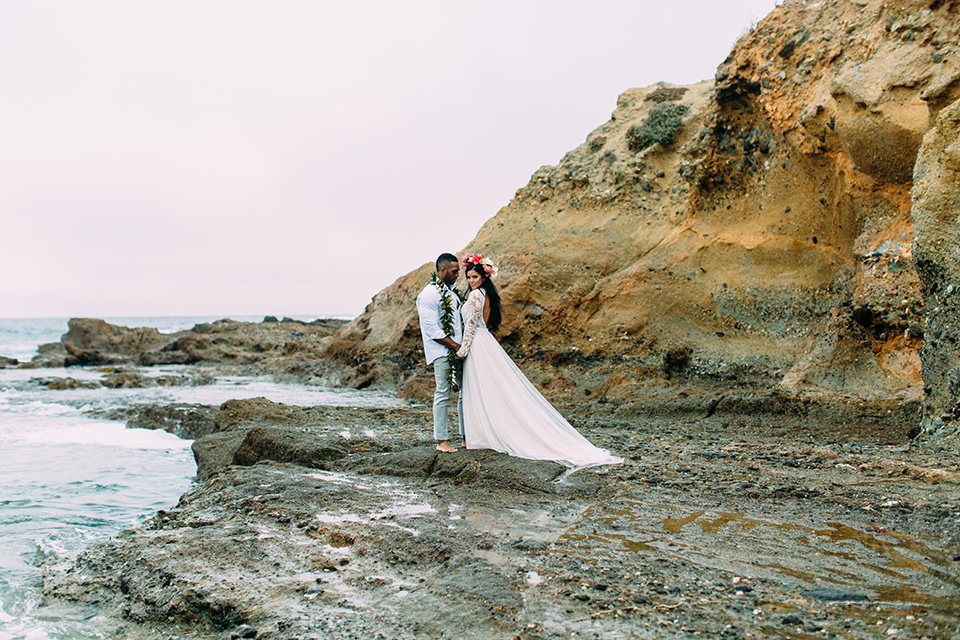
(759, 223)
(936, 254)
(289, 347)
(289, 344)
(95, 342)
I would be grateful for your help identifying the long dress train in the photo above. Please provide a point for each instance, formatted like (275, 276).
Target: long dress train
(503, 411)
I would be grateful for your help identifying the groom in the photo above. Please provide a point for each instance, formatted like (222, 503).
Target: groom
(438, 306)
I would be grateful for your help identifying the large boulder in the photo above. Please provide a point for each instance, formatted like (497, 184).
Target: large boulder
(299, 445)
(214, 452)
(936, 254)
(253, 430)
(95, 342)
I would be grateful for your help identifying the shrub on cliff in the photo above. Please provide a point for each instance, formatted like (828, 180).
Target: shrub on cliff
(663, 125)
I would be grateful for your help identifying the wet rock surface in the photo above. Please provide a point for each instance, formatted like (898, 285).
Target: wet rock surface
(248, 431)
(128, 377)
(187, 421)
(705, 529)
(50, 355)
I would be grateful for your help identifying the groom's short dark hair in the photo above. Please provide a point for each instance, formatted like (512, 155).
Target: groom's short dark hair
(445, 258)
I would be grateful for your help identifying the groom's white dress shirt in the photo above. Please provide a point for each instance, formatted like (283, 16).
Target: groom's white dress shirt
(428, 308)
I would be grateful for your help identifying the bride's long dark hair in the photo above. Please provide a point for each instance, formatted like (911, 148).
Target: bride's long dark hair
(487, 285)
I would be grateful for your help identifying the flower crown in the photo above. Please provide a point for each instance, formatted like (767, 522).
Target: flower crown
(489, 268)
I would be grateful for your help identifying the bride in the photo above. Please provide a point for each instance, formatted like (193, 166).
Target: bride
(502, 410)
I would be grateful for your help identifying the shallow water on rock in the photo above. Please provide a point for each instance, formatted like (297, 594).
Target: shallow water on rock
(757, 546)
(825, 561)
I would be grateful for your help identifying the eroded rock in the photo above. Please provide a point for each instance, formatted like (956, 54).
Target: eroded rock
(936, 254)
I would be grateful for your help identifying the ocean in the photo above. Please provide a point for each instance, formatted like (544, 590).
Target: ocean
(69, 479)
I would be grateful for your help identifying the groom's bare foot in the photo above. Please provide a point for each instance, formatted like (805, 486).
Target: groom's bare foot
(444, 446)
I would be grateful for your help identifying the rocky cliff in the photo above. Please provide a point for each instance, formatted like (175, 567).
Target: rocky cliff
(936, 214)
(753, 230)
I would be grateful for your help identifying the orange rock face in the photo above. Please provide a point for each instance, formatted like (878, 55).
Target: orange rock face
(771, 236)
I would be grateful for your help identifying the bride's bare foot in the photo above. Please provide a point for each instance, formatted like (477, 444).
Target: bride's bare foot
(444, 446)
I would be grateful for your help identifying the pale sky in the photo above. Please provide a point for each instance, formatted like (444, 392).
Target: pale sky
(292, 157)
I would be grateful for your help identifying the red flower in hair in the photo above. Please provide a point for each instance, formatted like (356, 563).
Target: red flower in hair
(469, 259)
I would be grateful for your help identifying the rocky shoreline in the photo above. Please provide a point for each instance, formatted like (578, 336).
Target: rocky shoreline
(739, 511)
(329, 522)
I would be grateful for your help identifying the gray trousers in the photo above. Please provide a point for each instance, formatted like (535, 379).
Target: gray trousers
(441, 399)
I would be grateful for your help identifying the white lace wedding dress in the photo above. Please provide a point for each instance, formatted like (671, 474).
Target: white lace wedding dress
(503, 411)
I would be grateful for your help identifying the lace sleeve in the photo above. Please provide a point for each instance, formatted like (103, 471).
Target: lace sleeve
(472, 312)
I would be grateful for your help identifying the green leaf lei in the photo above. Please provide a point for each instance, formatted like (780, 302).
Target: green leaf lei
(446, 323)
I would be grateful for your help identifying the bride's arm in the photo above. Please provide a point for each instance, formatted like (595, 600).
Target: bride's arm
(471, 313)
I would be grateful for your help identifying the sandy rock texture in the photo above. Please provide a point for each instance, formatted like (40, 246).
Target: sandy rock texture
(936, 254)
(702, 531)
(764, 236)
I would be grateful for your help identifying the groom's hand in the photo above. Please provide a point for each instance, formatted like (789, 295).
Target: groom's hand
(448, 342)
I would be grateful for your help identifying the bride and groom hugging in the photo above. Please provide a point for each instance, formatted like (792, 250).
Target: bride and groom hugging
(497, 407)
